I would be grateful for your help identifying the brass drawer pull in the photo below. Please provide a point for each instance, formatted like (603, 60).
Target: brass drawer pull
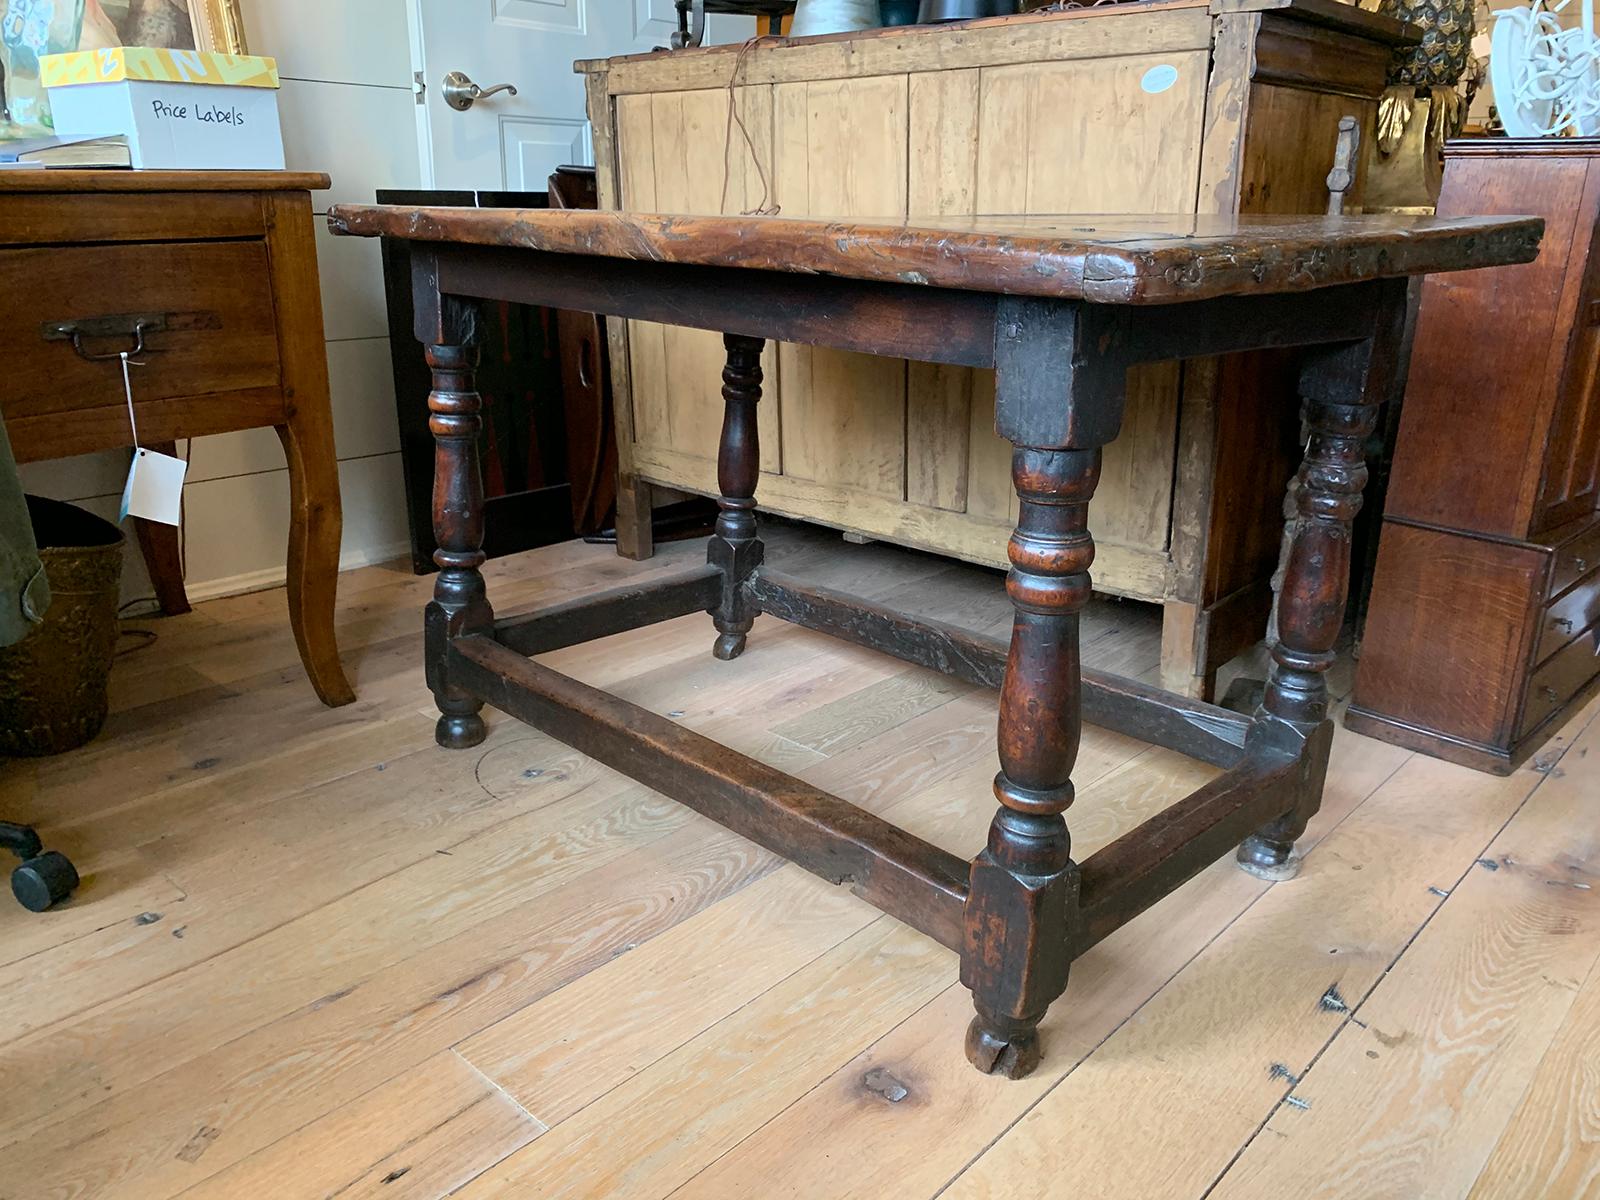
(128, 325)
(124, 325)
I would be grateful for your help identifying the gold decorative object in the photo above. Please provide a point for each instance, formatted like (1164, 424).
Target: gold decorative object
(218, 26)
(1423, 105)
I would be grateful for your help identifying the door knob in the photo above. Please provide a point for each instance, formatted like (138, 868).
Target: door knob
(460, 92)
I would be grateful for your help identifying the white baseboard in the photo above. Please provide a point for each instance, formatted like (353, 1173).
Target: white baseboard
(271, 577)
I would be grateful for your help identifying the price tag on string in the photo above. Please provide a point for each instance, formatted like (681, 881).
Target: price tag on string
(154, 489)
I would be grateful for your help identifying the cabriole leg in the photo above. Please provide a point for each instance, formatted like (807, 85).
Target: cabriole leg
(1024, 884)
(459, 605)
(1342, 387)
(734, 547)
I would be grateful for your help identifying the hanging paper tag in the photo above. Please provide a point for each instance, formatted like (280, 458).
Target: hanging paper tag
(155, 487)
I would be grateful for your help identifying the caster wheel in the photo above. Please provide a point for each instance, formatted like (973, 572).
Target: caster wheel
(43, 880)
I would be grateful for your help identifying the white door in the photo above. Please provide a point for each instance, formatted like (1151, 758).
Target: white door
(515, 142)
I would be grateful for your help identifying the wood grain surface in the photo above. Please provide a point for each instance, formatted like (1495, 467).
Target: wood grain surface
(1105, 259)
(163, 181)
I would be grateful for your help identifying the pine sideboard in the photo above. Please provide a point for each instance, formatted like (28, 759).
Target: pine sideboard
(1175, 106)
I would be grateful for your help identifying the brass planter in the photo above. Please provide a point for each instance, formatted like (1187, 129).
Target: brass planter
(53, 682)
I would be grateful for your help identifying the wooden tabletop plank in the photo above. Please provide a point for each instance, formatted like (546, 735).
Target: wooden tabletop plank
(1105, 259)
(64, 180)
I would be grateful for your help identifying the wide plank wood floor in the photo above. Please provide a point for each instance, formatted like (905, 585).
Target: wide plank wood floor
(315, 956)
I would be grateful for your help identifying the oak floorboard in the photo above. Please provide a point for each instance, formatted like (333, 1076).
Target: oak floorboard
(1424, 1075)
(313, 955)
(419, 1136)
(1552, 1145)
(339, 896)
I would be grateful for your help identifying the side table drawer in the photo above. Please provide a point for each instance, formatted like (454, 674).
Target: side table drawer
(217, 295)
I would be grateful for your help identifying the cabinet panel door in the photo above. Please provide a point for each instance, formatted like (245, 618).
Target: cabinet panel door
(841, 150)
(942, 181)
(1092, 136)
(1085, 137)
(1572, 451)
(675, 159)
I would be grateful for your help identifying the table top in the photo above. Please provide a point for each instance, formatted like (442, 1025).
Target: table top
(1104, 259)
(62, 179)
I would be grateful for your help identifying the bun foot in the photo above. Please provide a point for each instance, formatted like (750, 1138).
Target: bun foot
(729, 646)
(995, 1054)
(1268, 860)
(460, 731)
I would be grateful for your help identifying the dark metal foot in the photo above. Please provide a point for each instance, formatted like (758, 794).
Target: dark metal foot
(1013, 1053)
(460, 731)
(729, 646)
(44, 880)
(1267, 859)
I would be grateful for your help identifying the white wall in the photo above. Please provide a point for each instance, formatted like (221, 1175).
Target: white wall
(348, 109)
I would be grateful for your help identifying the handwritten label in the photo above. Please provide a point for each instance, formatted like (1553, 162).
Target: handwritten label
(1158, 79)
(206, 114)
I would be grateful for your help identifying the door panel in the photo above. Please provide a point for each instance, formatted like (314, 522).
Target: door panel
(514, 142)
(841, 150)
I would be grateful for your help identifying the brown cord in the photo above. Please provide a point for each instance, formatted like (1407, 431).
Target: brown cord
(768, 206)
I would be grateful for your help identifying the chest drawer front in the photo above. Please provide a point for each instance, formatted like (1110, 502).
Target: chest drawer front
(1574, 559)
(1577, 608)
(1561, 678)
(224, 339)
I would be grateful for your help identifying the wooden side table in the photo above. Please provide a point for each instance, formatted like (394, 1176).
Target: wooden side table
(214, 273)
(1061, 308)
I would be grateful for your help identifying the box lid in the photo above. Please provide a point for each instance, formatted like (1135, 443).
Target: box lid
(118, 63)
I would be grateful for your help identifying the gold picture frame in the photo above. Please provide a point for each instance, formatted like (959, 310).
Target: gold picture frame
(32, 28)
(218, 26)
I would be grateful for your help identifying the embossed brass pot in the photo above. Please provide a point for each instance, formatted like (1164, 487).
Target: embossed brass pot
(53, 682)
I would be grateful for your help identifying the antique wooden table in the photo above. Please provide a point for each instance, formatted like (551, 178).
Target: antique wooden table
(1060, 308)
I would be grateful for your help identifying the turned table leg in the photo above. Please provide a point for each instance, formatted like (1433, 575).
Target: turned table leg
(735, 548)
(1024, 883)
(460, 605)
(1342, 387)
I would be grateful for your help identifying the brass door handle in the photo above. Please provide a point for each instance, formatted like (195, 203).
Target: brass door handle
(460, 92)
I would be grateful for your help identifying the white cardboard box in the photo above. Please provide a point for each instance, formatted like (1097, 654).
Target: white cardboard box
(195, 118)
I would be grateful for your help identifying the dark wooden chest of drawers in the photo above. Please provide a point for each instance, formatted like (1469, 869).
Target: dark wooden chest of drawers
(1483, 631)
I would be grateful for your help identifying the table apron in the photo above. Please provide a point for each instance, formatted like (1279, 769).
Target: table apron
(904, 320)
(900, 320)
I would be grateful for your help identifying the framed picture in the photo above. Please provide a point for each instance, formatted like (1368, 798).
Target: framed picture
(30, 29)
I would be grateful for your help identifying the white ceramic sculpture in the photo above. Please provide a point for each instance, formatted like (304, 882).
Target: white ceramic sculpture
(1546, 78)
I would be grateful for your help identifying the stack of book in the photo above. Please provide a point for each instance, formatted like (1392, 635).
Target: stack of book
(82, 152)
